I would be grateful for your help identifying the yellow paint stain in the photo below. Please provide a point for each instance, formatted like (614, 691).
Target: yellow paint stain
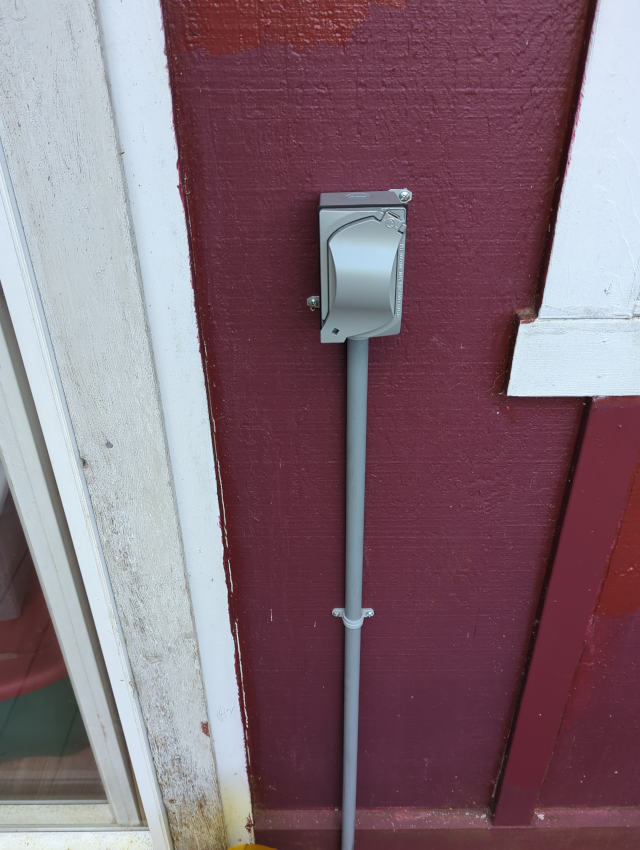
(251, 847)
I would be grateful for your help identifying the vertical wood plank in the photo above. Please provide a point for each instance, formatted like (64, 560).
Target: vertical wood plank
(596, 244)
(133, 40)
(605, 468)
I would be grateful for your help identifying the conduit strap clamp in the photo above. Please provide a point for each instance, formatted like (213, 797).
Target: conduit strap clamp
(352, 624)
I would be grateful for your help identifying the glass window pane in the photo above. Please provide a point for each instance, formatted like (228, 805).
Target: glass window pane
(44, 749)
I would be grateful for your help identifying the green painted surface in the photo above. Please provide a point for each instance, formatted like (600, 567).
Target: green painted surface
(45, 722)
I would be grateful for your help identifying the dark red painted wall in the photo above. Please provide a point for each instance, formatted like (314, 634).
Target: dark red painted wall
(596, 759)
(467, 104)
(597, 500)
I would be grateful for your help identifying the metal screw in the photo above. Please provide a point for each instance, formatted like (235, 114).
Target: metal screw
(405, 196)
(313, 302)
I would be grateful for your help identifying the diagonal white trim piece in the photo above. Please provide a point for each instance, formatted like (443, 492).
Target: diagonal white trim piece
(594, 267)
(577, 357)
(134, 49)
(596, 245)
(21, 292)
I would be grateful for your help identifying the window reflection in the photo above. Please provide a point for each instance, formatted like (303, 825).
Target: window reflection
(44, 749)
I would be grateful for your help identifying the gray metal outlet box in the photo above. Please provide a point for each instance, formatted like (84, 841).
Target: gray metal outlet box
(362, 245)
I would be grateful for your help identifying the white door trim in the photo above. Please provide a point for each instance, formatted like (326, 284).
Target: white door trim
(136, 63)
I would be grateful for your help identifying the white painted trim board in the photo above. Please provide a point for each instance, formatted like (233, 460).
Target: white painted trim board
(577, 357)
(134, 50)
(585, 339)
(593, 267)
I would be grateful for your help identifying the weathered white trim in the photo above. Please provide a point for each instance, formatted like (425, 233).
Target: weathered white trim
(20, 290)
(596, 246)
(595, 258)
(60, 839)
(61, 147)
(577, 357)
(134, 49)
(32, 482)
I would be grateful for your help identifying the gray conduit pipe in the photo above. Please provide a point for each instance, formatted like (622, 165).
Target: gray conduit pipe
(353, 613)
(362, 239)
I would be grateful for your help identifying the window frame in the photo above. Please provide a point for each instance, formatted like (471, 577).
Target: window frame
(29, 325)
(32, 484)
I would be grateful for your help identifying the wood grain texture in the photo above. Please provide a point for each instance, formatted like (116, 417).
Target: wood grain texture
(576, 357)
(605, 469)
(64, 160)
(467, 105)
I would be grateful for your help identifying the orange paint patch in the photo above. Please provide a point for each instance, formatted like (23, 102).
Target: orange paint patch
(231, 26)
(621, 591)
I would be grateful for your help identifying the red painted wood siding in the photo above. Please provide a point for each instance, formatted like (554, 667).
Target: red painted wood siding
(596, 758)
(467, 104)
(599, 492)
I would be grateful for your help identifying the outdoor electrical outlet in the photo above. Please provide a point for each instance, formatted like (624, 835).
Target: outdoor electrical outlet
(362, 242)
(362, 238)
